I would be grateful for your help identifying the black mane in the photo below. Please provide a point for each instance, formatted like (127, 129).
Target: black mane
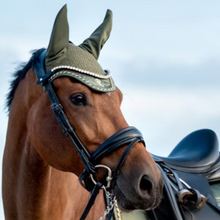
(20, 74)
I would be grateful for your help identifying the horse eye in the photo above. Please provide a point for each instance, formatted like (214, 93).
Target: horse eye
(78, 99)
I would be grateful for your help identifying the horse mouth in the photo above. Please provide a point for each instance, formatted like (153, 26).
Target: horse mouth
(127, 203)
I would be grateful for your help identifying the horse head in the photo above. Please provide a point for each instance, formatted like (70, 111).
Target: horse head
(91, 102)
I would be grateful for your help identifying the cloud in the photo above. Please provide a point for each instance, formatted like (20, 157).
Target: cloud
(162, 74)
(166, 115)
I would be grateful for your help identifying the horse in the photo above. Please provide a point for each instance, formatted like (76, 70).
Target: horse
(66, 130)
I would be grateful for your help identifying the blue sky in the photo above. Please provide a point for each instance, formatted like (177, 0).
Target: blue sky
(163, 55)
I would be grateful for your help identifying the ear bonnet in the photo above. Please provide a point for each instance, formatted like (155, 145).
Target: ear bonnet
(79, 62)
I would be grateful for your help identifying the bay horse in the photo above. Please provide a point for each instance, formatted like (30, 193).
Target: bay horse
(72, 129)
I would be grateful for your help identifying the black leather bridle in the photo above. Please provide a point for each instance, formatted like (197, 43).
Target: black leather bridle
(127, 136)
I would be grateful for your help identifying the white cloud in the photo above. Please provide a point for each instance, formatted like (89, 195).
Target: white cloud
(165, 116)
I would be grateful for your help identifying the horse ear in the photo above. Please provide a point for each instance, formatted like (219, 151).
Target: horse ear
(60, 34)
(95, 42)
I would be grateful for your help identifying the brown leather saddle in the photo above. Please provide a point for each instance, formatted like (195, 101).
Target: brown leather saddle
(189, 172)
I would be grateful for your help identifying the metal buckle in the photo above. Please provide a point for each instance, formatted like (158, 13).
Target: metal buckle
(57, 108)
(203, 198)
(108, 178)
(182, 193)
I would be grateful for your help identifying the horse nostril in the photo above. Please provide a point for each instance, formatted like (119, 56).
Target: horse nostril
(145, 184)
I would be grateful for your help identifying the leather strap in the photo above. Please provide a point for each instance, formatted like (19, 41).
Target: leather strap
(171, 195)
(122, 160)
(119, 139)
(94, 194)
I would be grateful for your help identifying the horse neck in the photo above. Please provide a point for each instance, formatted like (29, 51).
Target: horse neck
(21, 162)
(24, 98)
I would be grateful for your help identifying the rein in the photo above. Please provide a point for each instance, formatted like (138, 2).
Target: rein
(127, 136)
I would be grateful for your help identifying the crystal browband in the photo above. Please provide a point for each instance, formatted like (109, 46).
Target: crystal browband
(108, 75)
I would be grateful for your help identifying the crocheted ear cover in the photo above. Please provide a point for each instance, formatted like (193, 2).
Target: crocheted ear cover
(79, 62)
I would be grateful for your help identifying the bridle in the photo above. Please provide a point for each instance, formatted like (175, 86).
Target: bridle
(127, 136)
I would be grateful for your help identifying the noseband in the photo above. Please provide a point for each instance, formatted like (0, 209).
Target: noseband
(127, 136)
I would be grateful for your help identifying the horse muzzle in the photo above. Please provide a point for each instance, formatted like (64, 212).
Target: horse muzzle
(141, 193)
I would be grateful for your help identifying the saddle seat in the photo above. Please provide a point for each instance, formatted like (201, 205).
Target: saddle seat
(198, 153)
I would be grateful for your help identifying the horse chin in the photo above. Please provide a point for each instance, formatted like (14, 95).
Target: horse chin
(130, 203)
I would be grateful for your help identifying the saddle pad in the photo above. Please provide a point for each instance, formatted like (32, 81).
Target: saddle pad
(216, 192)
(134, 215)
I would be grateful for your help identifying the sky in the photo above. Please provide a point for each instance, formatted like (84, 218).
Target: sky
(163, 55)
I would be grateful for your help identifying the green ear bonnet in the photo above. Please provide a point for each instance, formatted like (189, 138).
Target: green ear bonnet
(79, 62)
